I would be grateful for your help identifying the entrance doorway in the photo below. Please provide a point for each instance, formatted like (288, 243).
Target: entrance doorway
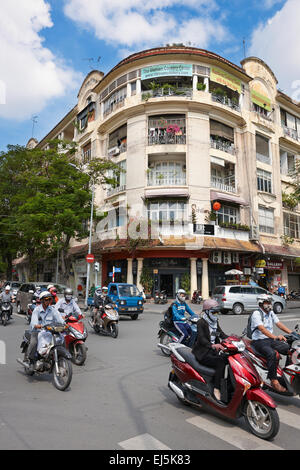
(166, 283)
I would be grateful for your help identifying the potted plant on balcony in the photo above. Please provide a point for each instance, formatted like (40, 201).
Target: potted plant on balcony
(201, 86)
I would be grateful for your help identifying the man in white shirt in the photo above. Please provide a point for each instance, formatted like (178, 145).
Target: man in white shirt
(263, 339)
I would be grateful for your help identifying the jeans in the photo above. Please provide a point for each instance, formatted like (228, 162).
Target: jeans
(32, 348)
(267, 348)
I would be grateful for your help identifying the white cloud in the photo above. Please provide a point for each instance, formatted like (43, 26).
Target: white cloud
(31, 73)
(277, 43)
(136, 24)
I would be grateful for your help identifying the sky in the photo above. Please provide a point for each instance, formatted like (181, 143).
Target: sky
(47, 47)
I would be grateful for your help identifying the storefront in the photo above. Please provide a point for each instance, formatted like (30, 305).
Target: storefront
(269, 273)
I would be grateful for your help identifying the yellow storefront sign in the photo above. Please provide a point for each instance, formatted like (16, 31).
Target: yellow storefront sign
(261, 100)
(224, 78)
(260, 263)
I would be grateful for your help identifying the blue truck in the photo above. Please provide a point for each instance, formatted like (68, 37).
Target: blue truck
(128, 299)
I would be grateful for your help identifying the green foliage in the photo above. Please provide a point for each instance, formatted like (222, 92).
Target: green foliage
(186, 282)
(289, 201)
(44, 199)
(146, 279)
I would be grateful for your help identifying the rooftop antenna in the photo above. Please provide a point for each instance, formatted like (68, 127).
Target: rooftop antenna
(244, 46)
(34, 121)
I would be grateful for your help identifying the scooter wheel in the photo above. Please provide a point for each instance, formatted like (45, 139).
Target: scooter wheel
(79, 354)
(266, 422)
(114, 330)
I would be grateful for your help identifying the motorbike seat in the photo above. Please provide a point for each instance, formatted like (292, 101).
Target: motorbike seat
(189, 357)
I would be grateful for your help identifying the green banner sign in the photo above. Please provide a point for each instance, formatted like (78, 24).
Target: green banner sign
(261, 100)
(167, 70)
(225, 78)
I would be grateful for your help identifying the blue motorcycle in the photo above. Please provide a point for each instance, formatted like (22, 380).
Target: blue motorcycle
(169, 334)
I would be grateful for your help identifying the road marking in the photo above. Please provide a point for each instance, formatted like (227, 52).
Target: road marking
(232, 434)
(143, 442)
(291, 419)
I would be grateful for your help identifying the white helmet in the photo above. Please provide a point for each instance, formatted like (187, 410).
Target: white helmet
(181, 295)
(50, 287)
(45, 294)
(7, 287)
(264, 298)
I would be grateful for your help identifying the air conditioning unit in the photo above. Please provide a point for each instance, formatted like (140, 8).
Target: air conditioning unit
(113, 151)
(226, 258)
(216, 257)
(254, 233)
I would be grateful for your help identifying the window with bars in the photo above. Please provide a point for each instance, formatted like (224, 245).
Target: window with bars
(228, 214)
(266, 219)
(264, 181)
(262, 149)
(87, 152)
(291, 225)
(167, 173)
(167, 211)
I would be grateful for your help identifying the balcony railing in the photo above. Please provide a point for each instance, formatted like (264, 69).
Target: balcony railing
(226, 101)
(166, 139)
(166, 180)
(224, 184)
(222, 145)
(113, 106)
(118, 189)
(165, 92)
(291, 133)
(166, 131)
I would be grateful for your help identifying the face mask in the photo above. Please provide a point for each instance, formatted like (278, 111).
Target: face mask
(267, 307)
(68, 297)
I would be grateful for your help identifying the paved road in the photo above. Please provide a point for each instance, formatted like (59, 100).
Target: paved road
(120, 399)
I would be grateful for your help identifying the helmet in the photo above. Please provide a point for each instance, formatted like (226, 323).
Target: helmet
(210, 304)
(38, 288)
(7, 287)
(49, 287)
(181, 295)
(45, 295)
(261, 299)
(104, 290)
(68, 293)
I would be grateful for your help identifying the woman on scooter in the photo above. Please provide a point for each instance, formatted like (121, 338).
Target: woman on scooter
(207, 345)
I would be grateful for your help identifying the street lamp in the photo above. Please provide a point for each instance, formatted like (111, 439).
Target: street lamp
(90, 239)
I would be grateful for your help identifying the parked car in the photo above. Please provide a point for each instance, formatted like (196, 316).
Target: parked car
(128, 299)
(24, 295)
(244, 298)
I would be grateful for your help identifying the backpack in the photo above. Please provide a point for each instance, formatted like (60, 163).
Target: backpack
(168, 316)
(249, 330)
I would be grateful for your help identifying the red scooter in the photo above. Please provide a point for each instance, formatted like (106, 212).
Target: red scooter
(241, 394)
(75, 338)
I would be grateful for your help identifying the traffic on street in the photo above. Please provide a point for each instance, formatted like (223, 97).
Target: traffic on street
(119, 397)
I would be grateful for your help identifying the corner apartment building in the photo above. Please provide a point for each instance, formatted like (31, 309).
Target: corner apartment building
(189, 128)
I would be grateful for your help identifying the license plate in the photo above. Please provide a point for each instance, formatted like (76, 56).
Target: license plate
(132, 309)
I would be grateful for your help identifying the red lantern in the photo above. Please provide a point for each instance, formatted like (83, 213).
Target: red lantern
(216, 206)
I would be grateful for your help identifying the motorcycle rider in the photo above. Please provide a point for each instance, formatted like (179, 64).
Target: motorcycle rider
(53, 292)
(43, 314)
(68, 304)
(6, 296)
(100, 300)
(179, 309)
(264, 340)
(207, 345)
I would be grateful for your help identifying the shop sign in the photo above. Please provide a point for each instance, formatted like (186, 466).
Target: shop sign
(80, 266)
(260, 263)
(203, 229)
(167, 70)
(275, 265)
(225, 78)
(261, 100)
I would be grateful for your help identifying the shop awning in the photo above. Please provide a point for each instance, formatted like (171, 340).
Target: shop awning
(170, 192)
(278, 250)
(217, 196)
(214, 243)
